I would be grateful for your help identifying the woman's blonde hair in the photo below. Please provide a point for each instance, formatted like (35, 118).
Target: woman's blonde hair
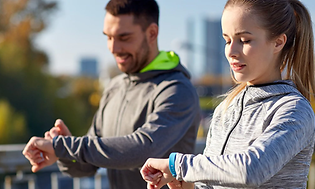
(288, 17)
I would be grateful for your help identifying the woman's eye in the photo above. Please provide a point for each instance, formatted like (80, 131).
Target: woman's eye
(245, 41)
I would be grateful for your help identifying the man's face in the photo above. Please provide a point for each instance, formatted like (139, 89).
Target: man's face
(127, 42)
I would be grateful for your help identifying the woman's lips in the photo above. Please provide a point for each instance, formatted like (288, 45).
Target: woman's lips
(237, 66)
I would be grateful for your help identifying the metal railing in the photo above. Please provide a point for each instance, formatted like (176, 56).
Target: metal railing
(16, 169)
(57, 181)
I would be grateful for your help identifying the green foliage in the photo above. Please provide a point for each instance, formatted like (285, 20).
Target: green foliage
(31, 94)
(20, 22)
(30, 99)
(73, 105)
(209, 103)
(12, 124)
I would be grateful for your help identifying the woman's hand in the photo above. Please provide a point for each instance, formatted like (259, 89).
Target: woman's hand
(156, 173)
(175, 184)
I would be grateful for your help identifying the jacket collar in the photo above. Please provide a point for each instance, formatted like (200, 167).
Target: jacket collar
(256, 93)
(165, 62)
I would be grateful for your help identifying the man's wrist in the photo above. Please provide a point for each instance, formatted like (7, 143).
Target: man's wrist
(54, 141)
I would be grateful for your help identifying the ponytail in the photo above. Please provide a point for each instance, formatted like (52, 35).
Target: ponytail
(299, 61)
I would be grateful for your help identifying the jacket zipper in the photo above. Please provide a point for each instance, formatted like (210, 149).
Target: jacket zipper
(234, 126)
(121, 108)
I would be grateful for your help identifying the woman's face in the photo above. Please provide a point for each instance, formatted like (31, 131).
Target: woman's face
(252, 56)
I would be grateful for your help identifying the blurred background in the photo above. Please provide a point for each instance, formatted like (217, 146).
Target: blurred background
(54, 63)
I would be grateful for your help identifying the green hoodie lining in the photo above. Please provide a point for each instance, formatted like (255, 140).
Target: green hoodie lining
(164, 61)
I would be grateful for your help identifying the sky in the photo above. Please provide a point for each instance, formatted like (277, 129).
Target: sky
(75, 30)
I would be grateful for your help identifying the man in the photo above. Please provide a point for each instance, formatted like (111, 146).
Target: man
(150, 110)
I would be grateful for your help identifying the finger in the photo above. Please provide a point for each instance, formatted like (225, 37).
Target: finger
(63, 128)
(37, 167)
(47, 135)
(149, 186)
(163, 181)
(147, 172)
(154, 179)
(32, 153)
(36, 161)
(42, 164)
(188, 185)
(153, 182)
(55, 131)
(175, 184)
(29, 146)
(34, 157)
(157, 186)
(30, 149)
(157, 175)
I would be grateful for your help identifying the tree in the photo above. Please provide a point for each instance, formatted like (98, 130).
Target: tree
(20, 22)
(26, 89)
(12, 124)
(31, 99)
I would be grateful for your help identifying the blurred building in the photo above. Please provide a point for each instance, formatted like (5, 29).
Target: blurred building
(208, 65)
(205, 50)
(88, 67)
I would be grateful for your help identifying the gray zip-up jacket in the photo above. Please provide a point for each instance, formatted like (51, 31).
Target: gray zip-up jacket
(264, 139)
(142, 115)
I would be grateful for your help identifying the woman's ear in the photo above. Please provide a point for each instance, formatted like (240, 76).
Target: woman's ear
(280, 42)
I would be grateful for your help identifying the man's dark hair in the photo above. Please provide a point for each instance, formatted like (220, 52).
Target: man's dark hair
(145, 12)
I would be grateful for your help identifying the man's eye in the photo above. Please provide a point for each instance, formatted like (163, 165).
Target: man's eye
(124, 38)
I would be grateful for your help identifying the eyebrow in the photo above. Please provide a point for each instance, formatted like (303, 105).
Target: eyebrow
(122, 34)
(239, 33)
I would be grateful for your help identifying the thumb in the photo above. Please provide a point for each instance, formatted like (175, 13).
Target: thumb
(38, 167)
(63, 129)
(55, 131)
(41, 165)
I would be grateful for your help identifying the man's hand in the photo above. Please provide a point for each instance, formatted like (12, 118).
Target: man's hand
(59, 129)
(40, 153)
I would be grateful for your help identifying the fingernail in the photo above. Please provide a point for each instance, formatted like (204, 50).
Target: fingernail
(147, 178)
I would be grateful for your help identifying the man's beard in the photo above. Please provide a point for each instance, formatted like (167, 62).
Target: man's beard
(142, 56)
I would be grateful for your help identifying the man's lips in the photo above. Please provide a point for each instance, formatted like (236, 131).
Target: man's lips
(122, 59)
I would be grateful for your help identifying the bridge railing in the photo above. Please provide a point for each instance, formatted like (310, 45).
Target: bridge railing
(16, 174)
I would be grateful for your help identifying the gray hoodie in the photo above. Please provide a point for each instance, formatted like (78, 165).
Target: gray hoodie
(142, 115)
(265, 139)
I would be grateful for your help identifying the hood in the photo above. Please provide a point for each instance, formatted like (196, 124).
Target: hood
(165, 62)
(257, 93)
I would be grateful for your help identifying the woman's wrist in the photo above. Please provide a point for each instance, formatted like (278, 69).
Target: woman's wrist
(172, 159)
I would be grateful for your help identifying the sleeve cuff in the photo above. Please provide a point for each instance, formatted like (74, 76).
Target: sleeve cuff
(171, 159)
(54, 141)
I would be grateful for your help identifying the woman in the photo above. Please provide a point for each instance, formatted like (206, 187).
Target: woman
(262, 134)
